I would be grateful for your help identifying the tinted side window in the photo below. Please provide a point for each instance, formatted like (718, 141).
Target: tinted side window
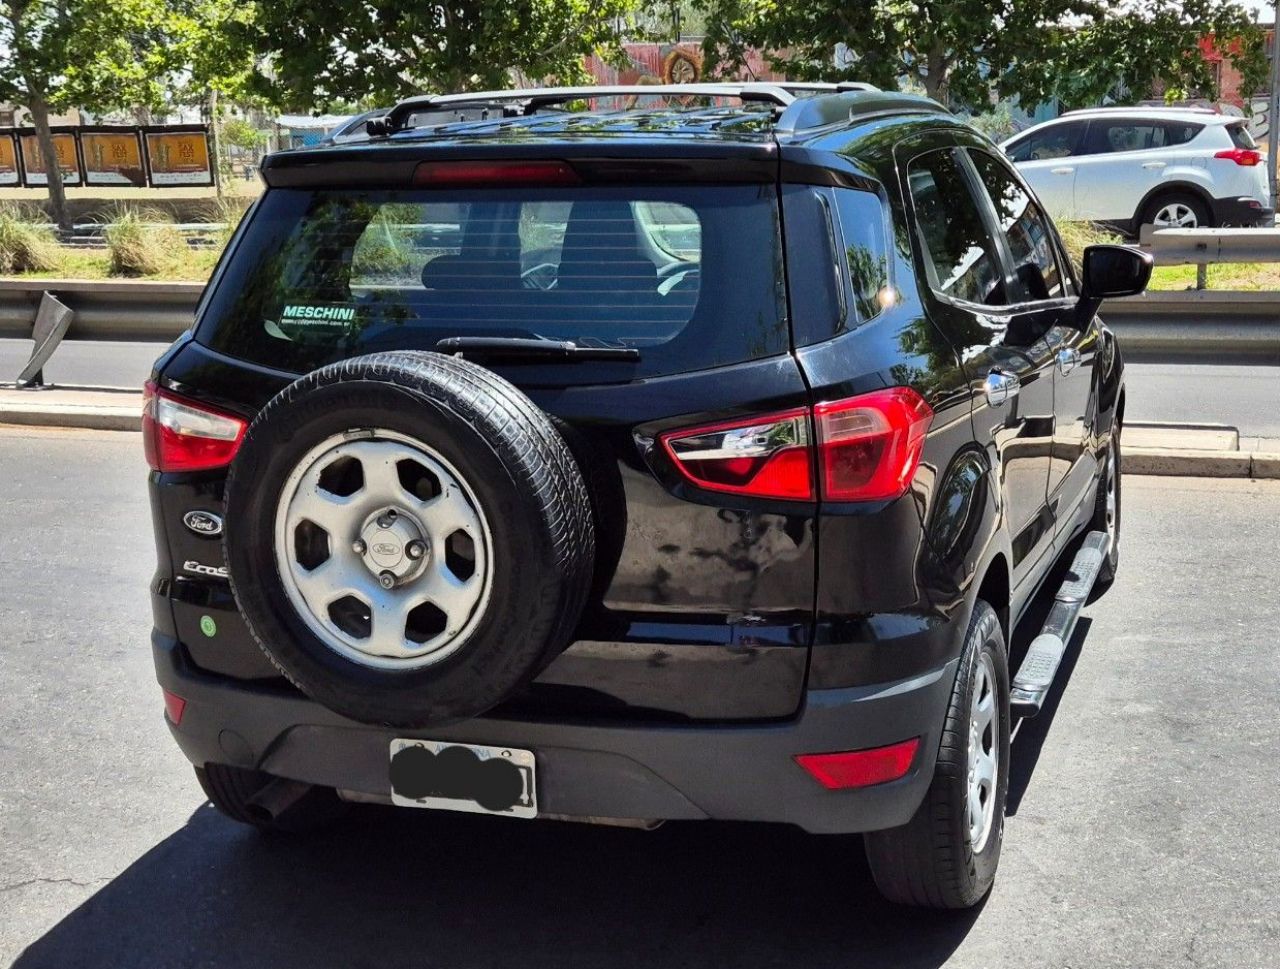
(1112, 136)
(960, 256)
(1240, 136)
(862, 232)
(1056, 141)
(1030, 240)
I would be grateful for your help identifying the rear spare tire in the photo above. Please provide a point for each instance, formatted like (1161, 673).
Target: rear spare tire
(408, 537)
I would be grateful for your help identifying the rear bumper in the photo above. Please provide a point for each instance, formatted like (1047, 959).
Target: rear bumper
(648, 771)
(1243, 210)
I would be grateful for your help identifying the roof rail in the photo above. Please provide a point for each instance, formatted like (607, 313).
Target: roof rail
(845, 103)
(528, 100)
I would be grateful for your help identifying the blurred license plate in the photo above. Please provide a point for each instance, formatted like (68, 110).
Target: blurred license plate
(463, 777)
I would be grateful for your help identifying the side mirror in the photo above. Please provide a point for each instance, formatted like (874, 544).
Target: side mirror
(1111, 271)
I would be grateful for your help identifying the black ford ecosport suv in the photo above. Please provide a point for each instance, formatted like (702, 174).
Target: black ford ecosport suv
(637, 454)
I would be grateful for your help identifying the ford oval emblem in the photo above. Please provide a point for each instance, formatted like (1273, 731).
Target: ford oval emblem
(203, 522)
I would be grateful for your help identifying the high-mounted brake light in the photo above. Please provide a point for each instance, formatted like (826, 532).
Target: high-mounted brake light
(865, 448)
(473, 174)
(182, 435)
(1241, 156)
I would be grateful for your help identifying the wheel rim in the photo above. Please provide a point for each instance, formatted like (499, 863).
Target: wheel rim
(984, 753)
(1176, 215)
(383, 550)
(1112, 496)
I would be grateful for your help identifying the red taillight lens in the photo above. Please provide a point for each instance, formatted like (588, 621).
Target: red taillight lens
(1241, 156)
(867, 449)
(861, 768)
(181, 435)
(472, 174)
(174, 706)
(869, 446)
(766, 457)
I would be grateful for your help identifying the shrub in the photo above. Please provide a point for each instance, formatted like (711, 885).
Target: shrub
(26, 245)
(141, 242)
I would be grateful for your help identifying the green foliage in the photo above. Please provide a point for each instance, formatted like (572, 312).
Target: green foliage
(376, 51)
(25, 245)
(239, 133)
(996, 124)
(1078, 50)
(141, 241)
(1076, 236)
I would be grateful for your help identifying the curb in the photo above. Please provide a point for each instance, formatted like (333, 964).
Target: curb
(1201, 464)
(83, 416)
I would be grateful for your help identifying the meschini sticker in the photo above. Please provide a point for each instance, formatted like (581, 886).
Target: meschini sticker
(317, 314)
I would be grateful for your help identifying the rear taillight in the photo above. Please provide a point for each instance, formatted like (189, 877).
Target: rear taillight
(1241, 156)
(182, 435)
(866, 448)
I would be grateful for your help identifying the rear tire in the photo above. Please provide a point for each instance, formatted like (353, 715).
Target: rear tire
(231, 790)
(934, 860)
(1180, 210)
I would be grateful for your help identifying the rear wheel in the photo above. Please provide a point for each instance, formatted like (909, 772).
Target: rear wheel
(244, 795)
(1177, 210)
(946, 856)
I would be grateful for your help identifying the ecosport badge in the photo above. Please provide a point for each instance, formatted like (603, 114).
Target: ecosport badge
(203, 522)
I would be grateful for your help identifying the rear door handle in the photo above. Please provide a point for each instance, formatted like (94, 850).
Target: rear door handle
(1061, 171)
(1068, 360)
(1153, 164)
(1001, 387)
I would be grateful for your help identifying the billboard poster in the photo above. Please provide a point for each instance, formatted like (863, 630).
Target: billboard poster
(10, 174)
(178, 157)
(112, 157)
(64, 144)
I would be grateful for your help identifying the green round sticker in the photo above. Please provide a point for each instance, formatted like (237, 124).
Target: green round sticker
(208, 626)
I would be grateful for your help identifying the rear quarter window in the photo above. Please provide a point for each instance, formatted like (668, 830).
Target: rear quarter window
(1240, 136)
(690, 277)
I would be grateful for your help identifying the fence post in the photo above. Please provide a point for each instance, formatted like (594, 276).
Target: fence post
(1202, 275)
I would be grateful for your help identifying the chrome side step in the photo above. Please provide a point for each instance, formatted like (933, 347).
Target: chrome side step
(1035, 676)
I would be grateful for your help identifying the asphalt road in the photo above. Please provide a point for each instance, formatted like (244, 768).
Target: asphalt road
(1143, 810)
(1244, 395)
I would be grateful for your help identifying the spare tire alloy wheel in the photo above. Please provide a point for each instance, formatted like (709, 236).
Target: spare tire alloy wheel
(408, 537)
(381, 575)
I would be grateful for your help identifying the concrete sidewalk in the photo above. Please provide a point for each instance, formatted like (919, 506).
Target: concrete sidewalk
(1194, 450)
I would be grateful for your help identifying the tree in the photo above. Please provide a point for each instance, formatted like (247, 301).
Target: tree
(374, 52)
(966, 50)
(91, 54)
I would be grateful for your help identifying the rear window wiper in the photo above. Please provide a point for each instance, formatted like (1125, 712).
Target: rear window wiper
(528, 348)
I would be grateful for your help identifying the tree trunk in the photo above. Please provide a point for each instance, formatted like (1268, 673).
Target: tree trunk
(44, 137)
(936, 82)
(215, 143)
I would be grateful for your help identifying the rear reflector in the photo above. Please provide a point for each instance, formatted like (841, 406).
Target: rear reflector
(861, 768)
(1241, 156)
(183, 435)
(174, 706)
(865, 448)
(463, 174)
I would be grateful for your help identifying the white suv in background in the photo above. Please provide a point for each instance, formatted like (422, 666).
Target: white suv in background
(1130, 167)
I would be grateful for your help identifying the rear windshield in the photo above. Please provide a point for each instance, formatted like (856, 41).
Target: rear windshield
(1240, 136)
(689, 276)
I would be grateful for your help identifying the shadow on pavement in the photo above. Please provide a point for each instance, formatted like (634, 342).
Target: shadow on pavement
(394, 888)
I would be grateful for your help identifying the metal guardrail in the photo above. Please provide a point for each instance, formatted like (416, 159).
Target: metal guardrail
(105, 309)
(1192, 322)
(1200, 247)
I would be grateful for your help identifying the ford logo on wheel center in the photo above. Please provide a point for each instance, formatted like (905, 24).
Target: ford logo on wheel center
(203, 522)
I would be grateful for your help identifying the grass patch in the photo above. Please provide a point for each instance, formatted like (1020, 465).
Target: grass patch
(141, 242)
(25, 244)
